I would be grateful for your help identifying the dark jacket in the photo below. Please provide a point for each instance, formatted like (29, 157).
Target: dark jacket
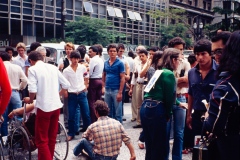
(224, 110)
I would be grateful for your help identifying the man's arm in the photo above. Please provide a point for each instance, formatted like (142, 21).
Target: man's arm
(103, 82)
(5, 86)
(122, 81)
(189, 111)
(23, 79)
(127, 75)
(131, 149)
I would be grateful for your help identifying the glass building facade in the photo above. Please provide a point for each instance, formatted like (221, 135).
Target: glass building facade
(37, 20)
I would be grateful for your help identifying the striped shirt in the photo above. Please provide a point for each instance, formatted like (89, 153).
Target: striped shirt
(108, 135)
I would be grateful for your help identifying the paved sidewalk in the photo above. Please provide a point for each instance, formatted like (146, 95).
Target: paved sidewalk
(124, 153)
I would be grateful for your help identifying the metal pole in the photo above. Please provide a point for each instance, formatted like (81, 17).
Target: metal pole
(63, 21)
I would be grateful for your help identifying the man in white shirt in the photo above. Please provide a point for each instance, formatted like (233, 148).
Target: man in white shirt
(137, 62)
(18, 81)
(138, 82)
(21, 57)
(95, 80)
(77, 95)
(43, 83)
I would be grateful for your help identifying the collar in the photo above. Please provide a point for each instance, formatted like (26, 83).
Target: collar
(19, 57)
(103, 117)
(117, 59)
(214, 65)
(7, 62)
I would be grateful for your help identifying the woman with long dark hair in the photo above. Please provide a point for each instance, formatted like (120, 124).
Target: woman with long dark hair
(224, 105)
(157, 107)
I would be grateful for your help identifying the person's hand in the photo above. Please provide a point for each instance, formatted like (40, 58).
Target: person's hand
(133, 157)
(103, 90)
(1, 118)
(119, 97)
(189, 122)
(27, 100)
(183, 105)
(130, 92)
(127, 77)
(61, 67)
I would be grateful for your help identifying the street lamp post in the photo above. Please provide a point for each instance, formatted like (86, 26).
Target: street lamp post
(197, 30)
(63, 20)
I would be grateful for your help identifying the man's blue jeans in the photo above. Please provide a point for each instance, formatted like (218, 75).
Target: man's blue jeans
(179, 116)
(88, 147)
(14, 103)
(77, 105)
(113, 104)
(154, 122)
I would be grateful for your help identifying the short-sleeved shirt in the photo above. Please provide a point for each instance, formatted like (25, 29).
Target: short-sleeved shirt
(113, 73)
(199, 88)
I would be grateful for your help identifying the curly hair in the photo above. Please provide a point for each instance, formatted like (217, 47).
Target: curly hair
(101, 108)
(176, 41)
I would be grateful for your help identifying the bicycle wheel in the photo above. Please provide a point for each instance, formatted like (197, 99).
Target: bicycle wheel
(1, 151)
(61, 147)
(20, 145)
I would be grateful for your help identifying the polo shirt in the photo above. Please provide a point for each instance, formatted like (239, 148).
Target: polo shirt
(199, 88)
(113, 73)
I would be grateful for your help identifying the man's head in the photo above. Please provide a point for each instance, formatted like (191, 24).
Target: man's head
(121, 49)
(218, 43)
(177, 43)
(34, 46)
(131, 54)
(153, 50)
(143, 55)
(192, 59)
(10, 51)
(34, 56)
(69, 47)
(100, 49)
(112, 50)
(21, 48)
(75, 57)
(5, 56)
(139, 48)
(202, 50)
(101, 108)
(93, 51)
(82, 50)
(42, 51)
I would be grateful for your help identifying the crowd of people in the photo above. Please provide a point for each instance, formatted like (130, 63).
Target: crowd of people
(167, 91)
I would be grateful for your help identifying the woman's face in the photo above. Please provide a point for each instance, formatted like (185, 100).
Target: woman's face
(176, 62)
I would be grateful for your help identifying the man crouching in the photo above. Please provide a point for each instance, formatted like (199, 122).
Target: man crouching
(103, 138)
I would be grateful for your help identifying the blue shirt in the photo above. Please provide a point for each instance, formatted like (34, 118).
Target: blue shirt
(113, 73)
(199, 88)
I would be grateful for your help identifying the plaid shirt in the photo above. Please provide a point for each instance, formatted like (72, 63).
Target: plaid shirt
(108, 135)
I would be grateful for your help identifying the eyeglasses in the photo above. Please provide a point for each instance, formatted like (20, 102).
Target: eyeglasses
(217, 52)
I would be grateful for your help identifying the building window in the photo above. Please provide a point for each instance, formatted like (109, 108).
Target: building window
(118, 12)
(209, 6)
(88, 7)
(137, 16)
(15, 9)
(78, 6)
(102, 10)
(111, 11)
(69, 4)
(49, 2)
(196, 3)
(204, 5)
(131, 15)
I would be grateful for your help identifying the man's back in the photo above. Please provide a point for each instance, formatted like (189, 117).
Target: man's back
(44, 80)
(108, 135)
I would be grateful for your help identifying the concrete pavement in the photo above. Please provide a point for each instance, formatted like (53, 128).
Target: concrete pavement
(124, 152)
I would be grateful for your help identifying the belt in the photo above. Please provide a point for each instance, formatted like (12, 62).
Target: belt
(149, 99)
(181, 94)
(15, 90)
(95, 78)
(77, 93)
(140, 82)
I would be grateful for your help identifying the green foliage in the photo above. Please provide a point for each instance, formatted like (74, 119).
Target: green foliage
(222, 11)
(171, 31)
(89, 31)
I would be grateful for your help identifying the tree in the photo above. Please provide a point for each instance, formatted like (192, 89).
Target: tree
(89, 31)
(174, 30)
(177, 27)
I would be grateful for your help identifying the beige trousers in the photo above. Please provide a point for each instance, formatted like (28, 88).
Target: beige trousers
(139, 100)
